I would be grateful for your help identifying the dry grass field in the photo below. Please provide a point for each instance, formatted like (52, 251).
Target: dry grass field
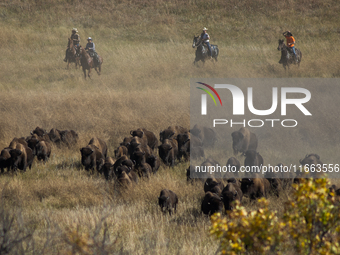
(146, 47)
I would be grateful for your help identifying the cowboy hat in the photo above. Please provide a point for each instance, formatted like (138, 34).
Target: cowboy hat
(74, 29)
(205, 28)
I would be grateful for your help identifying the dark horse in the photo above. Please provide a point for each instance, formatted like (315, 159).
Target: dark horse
(287, 56)
(202, 51)
(87, 62)
(71, 55)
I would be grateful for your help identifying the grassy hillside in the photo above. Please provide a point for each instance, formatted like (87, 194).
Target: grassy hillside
(146, 47)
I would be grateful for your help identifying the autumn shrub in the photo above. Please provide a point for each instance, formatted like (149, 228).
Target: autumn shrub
(309, 225)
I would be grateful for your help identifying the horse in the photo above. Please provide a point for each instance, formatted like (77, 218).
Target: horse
(71, 55)
(99, 64)
(86, 61)
(287, 57)
(202, 51)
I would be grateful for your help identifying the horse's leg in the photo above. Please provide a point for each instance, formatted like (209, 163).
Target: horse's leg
(84, 71)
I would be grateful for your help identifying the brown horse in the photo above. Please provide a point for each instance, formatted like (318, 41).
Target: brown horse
(71, 55)
(287, 57)
(86, 61)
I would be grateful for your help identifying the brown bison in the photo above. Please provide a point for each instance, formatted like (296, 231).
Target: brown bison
(213, 185)
(311, 159)
(43, 150)
(120, 151)
(149, 136)
(100, 144)
(168, 201)
(91, 157)
(5, 160)
(212, 203)
(255, 188)
(124, 180)
(54, 136)
(207, 135)
(231, 193)
(126, 142)
(233, 165)
(69, 137)
(171, 132)
(154, 162)
(253, 159)
(16, 140)
(275, 186)
(243, 140)
(106, 167)
(168, 151)
(39, 131)
(21, 158)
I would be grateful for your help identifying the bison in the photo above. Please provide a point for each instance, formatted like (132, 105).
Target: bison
(150, 137)
(207, 135)
(168, 151)
(43, 150)
(100, 144)
(120, 151)
(39, 131)
(106, 168)
(171, 132)
(255, 188)
(233, 166)
(21, 158)
(168, 201)
(212, 203)
(243, 140)
(5, 159)
(231, 193)
(91, 157)
(253, 159)
(213, 185)
(70, 137)
(154, 162)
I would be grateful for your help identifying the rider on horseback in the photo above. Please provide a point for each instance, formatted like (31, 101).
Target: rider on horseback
(205, 40)
(290, 43)
(76, 40)
(90, 47)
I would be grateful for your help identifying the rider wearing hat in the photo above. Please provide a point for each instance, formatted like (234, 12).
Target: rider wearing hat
(205, 39)
(92, 49)
(290, 42)
(76, 40)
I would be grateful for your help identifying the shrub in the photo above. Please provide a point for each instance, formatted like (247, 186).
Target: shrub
(309, 225)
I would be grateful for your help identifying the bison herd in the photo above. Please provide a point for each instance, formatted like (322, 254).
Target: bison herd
(21, 151)
(142, 153)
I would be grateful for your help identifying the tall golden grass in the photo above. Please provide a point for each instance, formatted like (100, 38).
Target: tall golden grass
(146, 47)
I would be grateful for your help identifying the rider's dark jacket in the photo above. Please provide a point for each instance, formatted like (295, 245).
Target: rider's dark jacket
(76, 38)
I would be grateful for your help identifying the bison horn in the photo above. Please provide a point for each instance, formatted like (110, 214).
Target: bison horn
(131, 132)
